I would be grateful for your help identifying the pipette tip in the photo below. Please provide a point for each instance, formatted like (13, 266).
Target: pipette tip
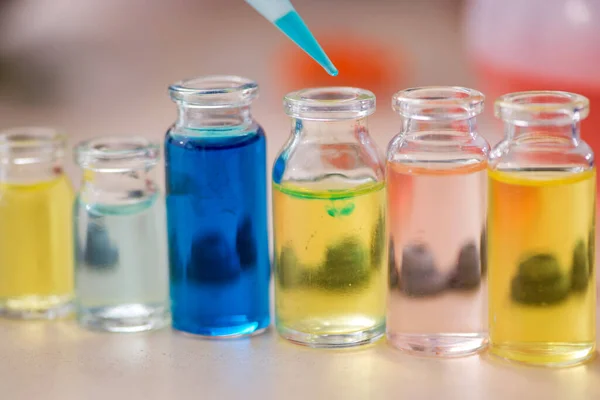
(331, 70)
(294, 27)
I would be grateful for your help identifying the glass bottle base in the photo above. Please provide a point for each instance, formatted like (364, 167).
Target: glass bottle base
(36, 307)
(333, 340)
(440, 345)
(545, 354)
(126, 318)
(222, 337)
(200, 331)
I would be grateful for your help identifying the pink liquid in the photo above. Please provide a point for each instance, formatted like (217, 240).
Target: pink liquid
(437, 302)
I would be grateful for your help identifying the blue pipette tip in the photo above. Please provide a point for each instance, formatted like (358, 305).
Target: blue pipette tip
(331, 69)
(294, 27)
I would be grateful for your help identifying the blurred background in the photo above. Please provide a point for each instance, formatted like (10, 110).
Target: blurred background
(102, 67)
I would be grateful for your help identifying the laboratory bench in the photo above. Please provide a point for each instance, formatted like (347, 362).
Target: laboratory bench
(58, 360)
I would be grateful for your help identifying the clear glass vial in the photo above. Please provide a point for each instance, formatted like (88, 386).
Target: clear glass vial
(121, 274)
(215, 158)
(436, 187)
(36, 247)
(541, 232)
(329, 222)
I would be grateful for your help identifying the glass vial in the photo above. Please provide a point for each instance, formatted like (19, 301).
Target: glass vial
(436, 177)
(329, 222)
(36, 247)
(215, 156)
(541, 232)
(121, 274)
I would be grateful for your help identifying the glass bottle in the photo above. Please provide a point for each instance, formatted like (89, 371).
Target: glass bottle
(329, 222)
(541, 231)
(121, 274)
(36, 249)
(436, 177)
(215, 157)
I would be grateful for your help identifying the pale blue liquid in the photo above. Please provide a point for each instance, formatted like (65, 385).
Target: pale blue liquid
(121, 275)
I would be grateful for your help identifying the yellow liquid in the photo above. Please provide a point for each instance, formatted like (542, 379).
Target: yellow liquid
(36, 248)
(331, 263)
(540, 225)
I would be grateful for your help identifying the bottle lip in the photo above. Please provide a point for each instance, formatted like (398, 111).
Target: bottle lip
(117, 153)
(31, 145)
(329, 103)
(430, 103)
(214, 91)
(542, 108)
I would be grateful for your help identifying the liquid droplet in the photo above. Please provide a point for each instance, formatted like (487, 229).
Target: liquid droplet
(338, 208)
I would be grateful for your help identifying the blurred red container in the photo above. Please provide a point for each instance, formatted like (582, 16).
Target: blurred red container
(517, 45)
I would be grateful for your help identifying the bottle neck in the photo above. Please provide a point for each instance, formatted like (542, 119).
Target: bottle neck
(199, 118)
(339, 151)
(342, 131)
(114, 188)
(553, 132)
(27, 174)
(466, 127)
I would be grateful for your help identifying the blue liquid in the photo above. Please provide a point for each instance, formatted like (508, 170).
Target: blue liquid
(294, 27)
(217, 228)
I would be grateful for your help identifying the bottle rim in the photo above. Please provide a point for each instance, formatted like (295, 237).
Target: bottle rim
(215, 91)
(329, 103)
(542, 107)
(117, 153)
(31, 145)
(430, 103)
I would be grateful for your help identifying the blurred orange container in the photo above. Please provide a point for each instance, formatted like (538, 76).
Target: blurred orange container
(361, 62)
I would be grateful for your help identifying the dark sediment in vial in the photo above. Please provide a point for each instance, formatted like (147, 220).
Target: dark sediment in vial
(540, 281)
(346, 265)
(419, 275)
(580, 269)
(467, 274)
(393, 268)
(539, 268)
(100, 253)
(213, 259)
(246, 244)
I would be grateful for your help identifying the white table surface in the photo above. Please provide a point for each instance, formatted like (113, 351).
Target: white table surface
(58, 361)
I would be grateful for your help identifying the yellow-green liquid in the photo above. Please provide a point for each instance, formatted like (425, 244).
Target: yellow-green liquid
(330, 263)
(542, 285)
(36, 248)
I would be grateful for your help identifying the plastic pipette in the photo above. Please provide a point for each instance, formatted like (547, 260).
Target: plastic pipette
(283, 15)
